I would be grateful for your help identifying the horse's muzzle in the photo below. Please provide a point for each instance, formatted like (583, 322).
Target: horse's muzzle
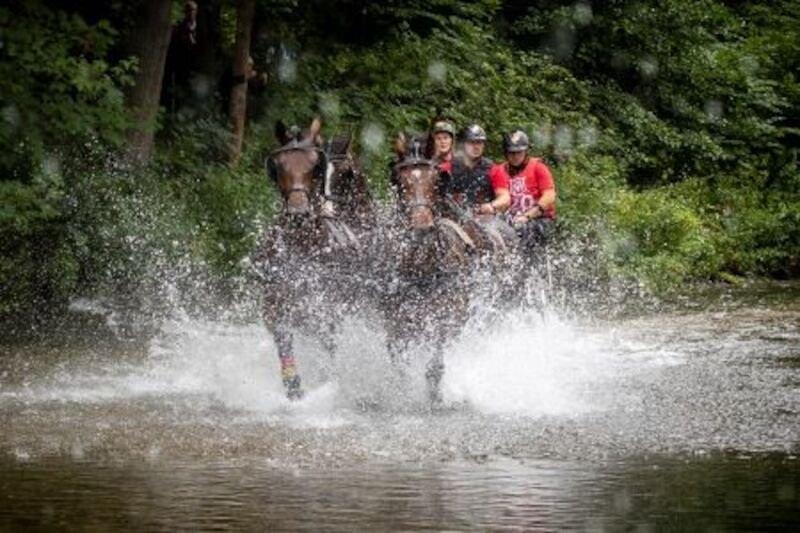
(421, 219)
(420, 214)
(298, 202)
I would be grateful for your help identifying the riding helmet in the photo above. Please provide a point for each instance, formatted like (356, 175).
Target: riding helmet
(515, 141)
(473, 132)
(444, 126)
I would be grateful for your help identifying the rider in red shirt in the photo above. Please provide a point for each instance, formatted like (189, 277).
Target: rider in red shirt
(533, 191)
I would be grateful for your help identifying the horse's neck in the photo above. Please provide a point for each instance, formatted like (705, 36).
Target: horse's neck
(354, 203)
(444, 249)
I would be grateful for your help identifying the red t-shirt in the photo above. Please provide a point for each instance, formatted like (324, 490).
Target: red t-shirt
(527, 186)
(498, 178)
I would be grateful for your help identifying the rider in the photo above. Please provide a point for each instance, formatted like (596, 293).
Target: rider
(442, 137)
(475, 181)
(533, 191)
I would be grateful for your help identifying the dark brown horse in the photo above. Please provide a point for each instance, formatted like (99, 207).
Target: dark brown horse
(305, 258)
(345, 189)
(429, 258)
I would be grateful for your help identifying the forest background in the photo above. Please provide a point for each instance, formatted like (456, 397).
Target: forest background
(671, 128)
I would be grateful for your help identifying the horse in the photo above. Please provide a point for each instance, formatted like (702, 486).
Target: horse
(428, 259)
(305, 257)
(346, 190)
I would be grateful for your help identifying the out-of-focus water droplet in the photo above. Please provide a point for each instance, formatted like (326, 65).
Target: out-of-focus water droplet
(714, 109)
(748, 65)
(22, 455)
(202, 86)
(619, 60)
(786, 493)
(563, 140)
(11, 115)
(287, 68)
(51, 167)
(562, 42)
(437, 71)
(542, 135)
(582, 13)
(587, 137)
(329, 105)
(622, 502)
(648, 66)
(373, 136)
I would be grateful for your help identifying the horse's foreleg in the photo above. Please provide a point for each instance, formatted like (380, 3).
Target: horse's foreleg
(291, 379)
(434, 372)
(328, 341)
(397, 346)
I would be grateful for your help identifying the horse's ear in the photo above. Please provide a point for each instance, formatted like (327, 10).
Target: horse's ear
(349, 140)
(280, 132)
(314, 129)
(400, 143)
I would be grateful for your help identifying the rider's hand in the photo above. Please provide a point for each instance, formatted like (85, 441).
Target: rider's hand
(520, 220)
(486, 209)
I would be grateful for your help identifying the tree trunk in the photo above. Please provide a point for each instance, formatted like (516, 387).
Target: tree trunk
(149, 42)
(245, 11)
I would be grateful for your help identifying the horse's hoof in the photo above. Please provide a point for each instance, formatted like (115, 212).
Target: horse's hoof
(435, 396)
(293, 389)
(295, 394)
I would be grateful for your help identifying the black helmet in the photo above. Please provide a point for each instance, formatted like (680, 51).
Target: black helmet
(473, 132)
(444, 126)
(515, 141)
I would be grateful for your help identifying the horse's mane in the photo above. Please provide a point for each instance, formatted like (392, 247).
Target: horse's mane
(416, 146)
(338, 145)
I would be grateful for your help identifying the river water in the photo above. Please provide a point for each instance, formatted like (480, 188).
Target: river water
(683, 419)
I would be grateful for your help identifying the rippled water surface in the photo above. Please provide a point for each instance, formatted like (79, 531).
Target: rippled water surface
(687, 419)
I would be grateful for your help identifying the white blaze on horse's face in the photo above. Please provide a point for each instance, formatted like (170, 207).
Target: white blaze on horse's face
(328, 207)
(419, 197)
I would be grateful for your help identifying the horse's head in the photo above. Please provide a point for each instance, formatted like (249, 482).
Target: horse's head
(343, 177)
(417, 180)
(298, 167)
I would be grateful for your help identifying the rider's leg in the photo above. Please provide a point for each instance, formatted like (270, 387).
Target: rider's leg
(291, 379)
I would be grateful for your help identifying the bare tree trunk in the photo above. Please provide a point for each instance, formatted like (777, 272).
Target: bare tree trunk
(149, 42)
(245, 12)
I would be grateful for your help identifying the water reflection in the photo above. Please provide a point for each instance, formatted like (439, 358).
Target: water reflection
(717, 493)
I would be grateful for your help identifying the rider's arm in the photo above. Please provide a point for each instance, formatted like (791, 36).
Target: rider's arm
(499, 180)
(501, 202)
(547, 199)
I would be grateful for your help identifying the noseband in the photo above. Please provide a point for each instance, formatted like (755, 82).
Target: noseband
(417, 203)
(320, 168)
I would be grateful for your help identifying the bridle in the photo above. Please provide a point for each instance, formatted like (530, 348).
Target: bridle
(416, 159)
(320, 168)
